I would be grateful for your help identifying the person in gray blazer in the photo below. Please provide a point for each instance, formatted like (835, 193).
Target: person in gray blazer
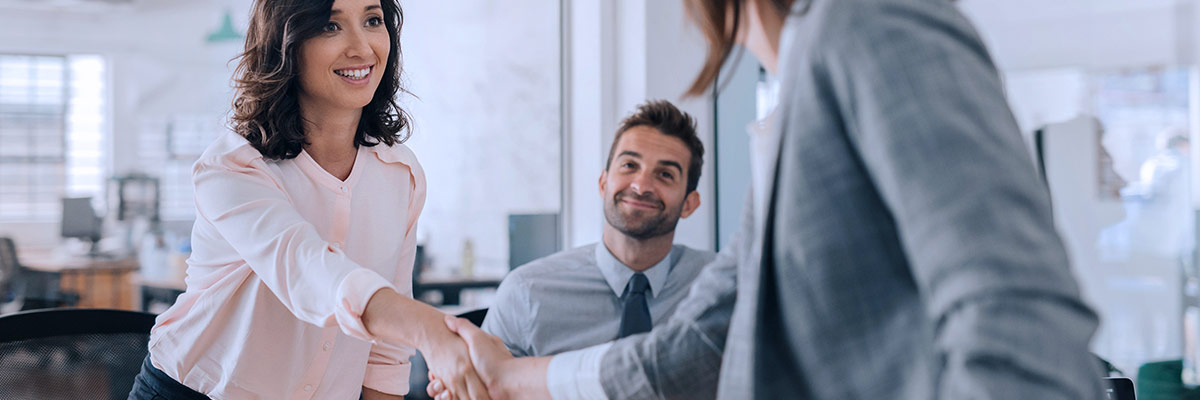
(897, 242)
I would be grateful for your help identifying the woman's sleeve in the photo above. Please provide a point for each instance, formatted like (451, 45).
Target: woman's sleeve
(388, 367)
(248, 207)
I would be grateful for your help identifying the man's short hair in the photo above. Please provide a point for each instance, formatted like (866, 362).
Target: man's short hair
(667, 119)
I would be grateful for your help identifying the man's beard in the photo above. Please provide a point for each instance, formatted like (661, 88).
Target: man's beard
(637, 224)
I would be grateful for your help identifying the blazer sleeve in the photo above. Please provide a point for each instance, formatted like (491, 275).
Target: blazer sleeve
(682, 358)
(925, 108)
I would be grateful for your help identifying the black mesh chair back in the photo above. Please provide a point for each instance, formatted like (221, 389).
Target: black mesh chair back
(72, 353)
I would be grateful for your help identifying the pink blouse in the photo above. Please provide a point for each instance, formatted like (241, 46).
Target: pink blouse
(284, 259)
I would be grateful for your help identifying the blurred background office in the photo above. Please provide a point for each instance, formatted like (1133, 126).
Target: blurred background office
(105, 104)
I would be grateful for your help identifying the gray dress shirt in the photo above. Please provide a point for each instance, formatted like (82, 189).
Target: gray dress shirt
(572, 299)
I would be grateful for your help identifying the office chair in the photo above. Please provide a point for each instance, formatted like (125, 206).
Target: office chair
(72, 353)
(476, 316)
(418, 378)
(25, 289)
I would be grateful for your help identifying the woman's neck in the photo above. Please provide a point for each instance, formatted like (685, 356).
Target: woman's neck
(330, 135)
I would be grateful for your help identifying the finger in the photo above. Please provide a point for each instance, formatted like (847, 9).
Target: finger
(458, 387)
(466, 329)
(475, 387)
(435, 388)
(443, 396)
(454, 323)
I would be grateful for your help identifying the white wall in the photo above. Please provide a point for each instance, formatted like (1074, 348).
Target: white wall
(487, 117)
(1027, 34)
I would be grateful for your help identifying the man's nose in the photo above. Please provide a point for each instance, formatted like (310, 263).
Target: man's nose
(640, 183)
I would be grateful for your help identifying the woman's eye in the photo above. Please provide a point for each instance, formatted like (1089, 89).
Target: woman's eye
(375, 21)
(331, 27)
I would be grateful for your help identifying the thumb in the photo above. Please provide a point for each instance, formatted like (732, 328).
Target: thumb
(452, 322)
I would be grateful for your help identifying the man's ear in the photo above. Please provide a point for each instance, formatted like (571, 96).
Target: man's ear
(690, 204)
(603, 182)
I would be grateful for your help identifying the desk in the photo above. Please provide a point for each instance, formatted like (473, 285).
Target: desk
(451, 288)
(90, 277)
(158, 294)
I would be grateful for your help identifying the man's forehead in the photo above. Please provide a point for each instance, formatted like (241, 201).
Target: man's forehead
(647, 142)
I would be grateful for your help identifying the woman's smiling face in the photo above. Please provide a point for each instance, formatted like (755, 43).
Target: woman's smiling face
(342, 66)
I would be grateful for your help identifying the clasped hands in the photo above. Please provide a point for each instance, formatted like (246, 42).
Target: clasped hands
(490, 375)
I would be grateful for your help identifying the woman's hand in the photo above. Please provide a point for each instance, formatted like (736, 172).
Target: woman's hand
(504, 375)
(400, 319)
(450, 360)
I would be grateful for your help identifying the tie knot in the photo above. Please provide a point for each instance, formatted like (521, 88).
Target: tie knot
(638, 284)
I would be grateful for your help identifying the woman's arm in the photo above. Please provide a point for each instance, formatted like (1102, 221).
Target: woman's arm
(424, 327)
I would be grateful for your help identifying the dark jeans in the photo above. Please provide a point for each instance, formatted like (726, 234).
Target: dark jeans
(153, 384)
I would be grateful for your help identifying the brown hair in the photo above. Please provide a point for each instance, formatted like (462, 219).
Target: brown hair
(669, 120)
(719, 21)
(266, 110)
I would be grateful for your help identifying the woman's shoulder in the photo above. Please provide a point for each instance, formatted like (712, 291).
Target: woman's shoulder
(230, 150)
(397, 153)
(400, 154)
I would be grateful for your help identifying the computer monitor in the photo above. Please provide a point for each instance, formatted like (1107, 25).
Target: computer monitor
(79, 220)
(530, 237)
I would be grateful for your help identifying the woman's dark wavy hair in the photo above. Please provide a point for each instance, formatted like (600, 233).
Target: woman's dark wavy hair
(266, 110)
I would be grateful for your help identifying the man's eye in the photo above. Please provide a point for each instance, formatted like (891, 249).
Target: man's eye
(668, 175)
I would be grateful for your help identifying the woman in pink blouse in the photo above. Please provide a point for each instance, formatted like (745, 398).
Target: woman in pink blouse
(299, 284)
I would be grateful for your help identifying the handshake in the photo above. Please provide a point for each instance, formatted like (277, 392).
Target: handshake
(469, 363)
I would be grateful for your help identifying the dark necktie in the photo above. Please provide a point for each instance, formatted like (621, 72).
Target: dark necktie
(636, 315)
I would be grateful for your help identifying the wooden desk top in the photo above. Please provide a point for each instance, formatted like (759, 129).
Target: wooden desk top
(164, 283)
(49, 261)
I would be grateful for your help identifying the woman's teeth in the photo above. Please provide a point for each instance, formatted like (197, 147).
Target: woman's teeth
(355, 74)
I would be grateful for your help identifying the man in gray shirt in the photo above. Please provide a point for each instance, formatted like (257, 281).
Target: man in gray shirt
(635, 277)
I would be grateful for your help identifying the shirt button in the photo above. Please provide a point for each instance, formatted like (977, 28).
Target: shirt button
(326, 346)
(307, 388)
(343, 189)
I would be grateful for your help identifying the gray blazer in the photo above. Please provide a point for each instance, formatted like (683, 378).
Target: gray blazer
(906, 249)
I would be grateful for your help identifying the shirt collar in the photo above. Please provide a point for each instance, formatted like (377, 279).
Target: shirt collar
(617, 274)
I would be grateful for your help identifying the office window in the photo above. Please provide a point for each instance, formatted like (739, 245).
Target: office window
(52, 126)
(1122, 199)
(168, 148)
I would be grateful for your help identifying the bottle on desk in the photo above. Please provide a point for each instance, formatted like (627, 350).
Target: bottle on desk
(468, 259)
(152, 256)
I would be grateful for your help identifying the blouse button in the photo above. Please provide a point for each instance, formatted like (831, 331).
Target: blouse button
(325, 346)
(307, 388)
